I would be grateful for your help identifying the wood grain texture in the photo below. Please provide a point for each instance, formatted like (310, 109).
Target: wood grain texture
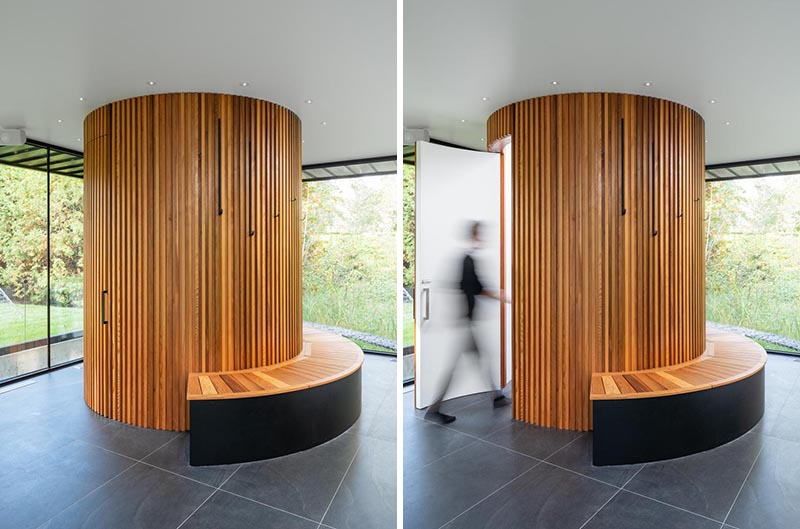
(596, 289)
(729, 357)
(326, 358)
(188, 289)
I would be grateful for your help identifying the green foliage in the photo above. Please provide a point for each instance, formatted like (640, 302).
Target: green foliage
(349, 253)
(409, 225)
(23, 236)
(752, 244)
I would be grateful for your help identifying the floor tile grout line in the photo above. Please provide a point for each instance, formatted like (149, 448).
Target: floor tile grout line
(671, 505)
(340, 485)
(565, 446)
(459, 449)
(581, 474)
(464, 433)
(142, 460)
(197, 508)
(476, 439)
(523, 454)
(633, 476)
(217, 489)
(133, 464)
(741, 488)
(616, 493)
(229, 477)
(547, 461)
(168, 471)
(628, 490)
(490, 495)
(268, 505)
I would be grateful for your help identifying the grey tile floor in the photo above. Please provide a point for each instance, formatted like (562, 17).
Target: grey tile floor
(63, 466)
(486, 470)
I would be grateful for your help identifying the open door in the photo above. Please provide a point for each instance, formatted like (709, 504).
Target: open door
(454, 188)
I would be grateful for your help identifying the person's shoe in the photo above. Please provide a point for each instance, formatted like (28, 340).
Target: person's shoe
(440, 417)
(501, 402)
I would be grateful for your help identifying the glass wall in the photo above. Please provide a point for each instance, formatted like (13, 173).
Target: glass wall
(409, 247)
(752, 268)
(66, 269)
(349, 267)
(41, 264)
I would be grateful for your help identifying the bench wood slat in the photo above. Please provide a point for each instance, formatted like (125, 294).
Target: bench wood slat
(729, 358)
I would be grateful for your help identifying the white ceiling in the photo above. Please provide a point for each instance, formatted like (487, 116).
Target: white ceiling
(341, 55)
(741, 53)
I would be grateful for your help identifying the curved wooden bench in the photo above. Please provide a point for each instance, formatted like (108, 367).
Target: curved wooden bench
(655, 414)
(251, 414)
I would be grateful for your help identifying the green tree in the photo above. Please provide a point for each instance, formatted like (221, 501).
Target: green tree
(349, 267)
(409, 225)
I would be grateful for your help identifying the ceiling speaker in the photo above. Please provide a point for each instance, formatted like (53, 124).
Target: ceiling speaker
(12, 137)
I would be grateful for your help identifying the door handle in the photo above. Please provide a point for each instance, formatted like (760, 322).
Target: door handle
(653, 189)
(219, 166)
(622, 163)
(103, 307)
(426, 292)
(250, 231)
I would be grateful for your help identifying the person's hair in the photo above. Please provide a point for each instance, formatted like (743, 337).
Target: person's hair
(474, 230)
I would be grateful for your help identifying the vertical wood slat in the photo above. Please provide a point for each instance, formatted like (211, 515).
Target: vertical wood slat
(595, 290)
(189, 289)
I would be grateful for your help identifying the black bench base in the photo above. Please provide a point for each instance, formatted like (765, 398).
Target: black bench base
(630, 431)
(238, 430)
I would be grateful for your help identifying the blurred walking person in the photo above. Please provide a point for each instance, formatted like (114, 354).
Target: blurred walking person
(471, 288)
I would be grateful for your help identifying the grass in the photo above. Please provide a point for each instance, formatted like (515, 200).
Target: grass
(29, 322)
(408, 323)
(372, 347)
(774, 347)
(756, 307)
(351, 310)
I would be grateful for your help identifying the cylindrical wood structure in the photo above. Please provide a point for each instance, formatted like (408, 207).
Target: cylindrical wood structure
(608, 244)
(192, 247)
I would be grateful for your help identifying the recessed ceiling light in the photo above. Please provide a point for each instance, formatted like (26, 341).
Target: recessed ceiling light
(553, 83)
(81, 99)
(463, 121)
(483, 139)
(324, 123)
(727, 122)
(706, 141)
(61, 121)
(79, 139)
(712, 101)
(648, 83)
(302, 141)
(485, 98)
(308, 101)
(151, 83)
(243, 83)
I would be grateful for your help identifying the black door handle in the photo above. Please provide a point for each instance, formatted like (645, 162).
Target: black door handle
(103, 307)
(653, 188)
(219, 166)
(622, 162)
(251, 231)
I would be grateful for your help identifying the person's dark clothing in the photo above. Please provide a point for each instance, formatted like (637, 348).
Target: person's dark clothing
(472, 287)
(470, 284)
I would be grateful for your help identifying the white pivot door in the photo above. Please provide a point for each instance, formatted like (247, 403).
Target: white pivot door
(455, 188)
